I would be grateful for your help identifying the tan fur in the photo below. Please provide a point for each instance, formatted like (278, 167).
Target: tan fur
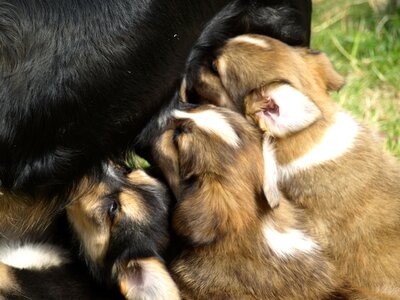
(8, 283)
(222, 211)
(168, 160)
(352, 203)
(24, 215)
(135, 210)
(140, 177)
(89, 221)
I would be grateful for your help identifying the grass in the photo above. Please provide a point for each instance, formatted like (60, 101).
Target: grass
(134, 161)
(364, 46)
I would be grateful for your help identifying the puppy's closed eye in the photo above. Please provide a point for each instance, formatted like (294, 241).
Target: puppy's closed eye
(113, 209)
(178, 131)
(214, 67)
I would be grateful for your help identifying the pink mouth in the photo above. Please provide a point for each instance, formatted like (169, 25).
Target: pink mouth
(269, 109)
(260, 114)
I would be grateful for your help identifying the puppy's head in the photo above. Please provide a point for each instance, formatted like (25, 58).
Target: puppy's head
(121, 225)
(254, 64)
(212, 158)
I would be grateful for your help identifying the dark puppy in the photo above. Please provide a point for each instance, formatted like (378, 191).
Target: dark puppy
(80, 79)
(239, 247)
(121, 232)
(122, 229)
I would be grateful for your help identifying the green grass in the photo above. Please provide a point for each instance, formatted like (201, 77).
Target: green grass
(364, 46)
(134, 161)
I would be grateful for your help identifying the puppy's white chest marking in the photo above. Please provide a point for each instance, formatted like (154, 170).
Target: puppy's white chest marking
(31, 256)
(213, 122)
(288, 243)
(270, 185)
(337, 140)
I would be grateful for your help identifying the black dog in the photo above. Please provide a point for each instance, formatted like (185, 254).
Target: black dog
(80, 79)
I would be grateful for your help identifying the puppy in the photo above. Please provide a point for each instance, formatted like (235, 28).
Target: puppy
(326, 162)
(120, 230)
(238, 247)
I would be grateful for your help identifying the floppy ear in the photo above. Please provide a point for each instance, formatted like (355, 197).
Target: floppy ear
(324, 70)
(281, 110)
(146, 278)
(166, 158)
(208, 89)
(182, 90)
(202, 215)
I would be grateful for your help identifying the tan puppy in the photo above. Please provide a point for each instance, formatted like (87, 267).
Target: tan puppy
(239, 247)
(326, 162)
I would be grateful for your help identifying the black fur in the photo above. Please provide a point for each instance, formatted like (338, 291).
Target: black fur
(80, 78)
(67, 282)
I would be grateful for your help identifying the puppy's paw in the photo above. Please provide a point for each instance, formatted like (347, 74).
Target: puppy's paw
(146, 279)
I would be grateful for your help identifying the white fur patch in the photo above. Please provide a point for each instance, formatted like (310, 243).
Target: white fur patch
(288, 243)
(270, 185)
(296, 111)
(163, 119)
(251, 40)
(31, 256)
(213, 122)
(110, 170)
(337, 140)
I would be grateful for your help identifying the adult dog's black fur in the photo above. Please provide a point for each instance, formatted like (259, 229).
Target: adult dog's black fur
(80, 78)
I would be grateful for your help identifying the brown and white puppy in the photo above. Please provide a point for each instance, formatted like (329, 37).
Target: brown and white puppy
(122, 228)
(326, 162)
(238, 247)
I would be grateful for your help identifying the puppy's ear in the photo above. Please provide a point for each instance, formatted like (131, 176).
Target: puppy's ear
(202, 215)
(146, 278)
(208, 89)
(281, 109)
(324, 70)
(182, 91)
(166, 157)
